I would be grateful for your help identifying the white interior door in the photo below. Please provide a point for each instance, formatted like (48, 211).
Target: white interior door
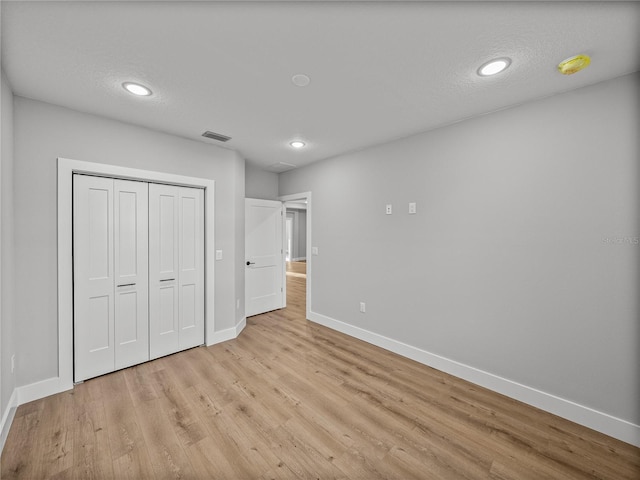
(163, 270)
(94, 351)
(264, 279)
(138, 272)
(131, 273)
(191, 267)
(176, 268)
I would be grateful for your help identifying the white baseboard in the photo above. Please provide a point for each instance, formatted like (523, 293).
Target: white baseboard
(588, 417)
(299, 259)
(227, 334)
(26, 394)
(38, 390)
(51, 386)
(240, 326)
(599, 421)
(7, 418)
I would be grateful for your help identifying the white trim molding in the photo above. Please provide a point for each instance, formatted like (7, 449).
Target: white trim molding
(66, 169)
(228, 333)
(241, 326)
(41, 389)
(588, 417)
(7, 418)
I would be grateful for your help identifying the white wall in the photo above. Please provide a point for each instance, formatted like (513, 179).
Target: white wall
(260, 183)
(7, 291)
(522, 260)
(44, 132)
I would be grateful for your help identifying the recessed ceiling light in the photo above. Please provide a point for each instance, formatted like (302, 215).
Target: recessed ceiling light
(137, 89)
(301, 80)
(297, 144)
(494, 66)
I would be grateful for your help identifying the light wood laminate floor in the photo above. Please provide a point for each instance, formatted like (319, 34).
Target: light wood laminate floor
(293, 400)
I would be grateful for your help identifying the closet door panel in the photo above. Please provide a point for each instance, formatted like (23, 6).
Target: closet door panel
(164, 328)
(94, 311)
(167, 237)
(191, 264)
(167, 297)
(131, 212)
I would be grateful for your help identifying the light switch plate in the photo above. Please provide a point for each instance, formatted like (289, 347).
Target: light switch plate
(412, 208)
(218, 254)
(389, 209)
(314, 250)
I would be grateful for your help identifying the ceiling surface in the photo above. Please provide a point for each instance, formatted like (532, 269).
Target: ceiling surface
(379, 71)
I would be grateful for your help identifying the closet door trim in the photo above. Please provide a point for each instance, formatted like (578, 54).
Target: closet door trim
(66, 169)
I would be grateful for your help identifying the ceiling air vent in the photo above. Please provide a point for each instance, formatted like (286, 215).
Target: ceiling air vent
(216, 136)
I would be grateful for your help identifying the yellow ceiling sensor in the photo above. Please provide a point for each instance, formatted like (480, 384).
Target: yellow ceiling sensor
(574, 64)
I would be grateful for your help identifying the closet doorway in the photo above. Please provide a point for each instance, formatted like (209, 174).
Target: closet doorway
(138, 272)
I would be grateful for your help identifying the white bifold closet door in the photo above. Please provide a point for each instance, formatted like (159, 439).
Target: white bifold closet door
(138, 255)
(110, 243)
(176, 268)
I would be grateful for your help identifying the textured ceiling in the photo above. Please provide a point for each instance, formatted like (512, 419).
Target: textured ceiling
(379, 71)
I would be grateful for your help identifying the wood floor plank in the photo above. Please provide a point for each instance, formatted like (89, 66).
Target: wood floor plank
(168, 457)
(24, 432)
(129, 451)
(290, 399)
(91, 450)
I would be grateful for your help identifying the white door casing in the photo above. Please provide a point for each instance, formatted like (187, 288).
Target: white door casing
(264, 272)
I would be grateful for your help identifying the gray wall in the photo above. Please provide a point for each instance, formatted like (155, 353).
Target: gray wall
(299, 233)
(7, 251)
(302, 234)
(522, 259)
(44, 132)
(260, 183)
(238, 257)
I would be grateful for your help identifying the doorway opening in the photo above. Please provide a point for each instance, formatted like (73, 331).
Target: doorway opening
(297, 244)
(288, 239)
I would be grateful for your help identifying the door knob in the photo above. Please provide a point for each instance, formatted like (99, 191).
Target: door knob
(250, 263)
